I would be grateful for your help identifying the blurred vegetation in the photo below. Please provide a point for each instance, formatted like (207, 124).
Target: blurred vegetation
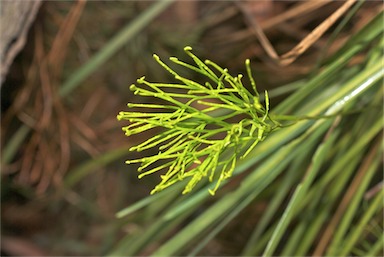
(314, 188)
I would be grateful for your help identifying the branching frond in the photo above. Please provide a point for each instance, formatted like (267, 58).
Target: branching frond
(207, 126)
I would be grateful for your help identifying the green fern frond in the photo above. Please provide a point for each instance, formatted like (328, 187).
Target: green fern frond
(207, 126)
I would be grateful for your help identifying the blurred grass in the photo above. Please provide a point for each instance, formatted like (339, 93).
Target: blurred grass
(114, 45)
(334, 147)
(297, 179)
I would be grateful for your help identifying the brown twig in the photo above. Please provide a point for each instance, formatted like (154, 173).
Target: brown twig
(301, 47)
(302, 8)
(59, 47)
(46, 156)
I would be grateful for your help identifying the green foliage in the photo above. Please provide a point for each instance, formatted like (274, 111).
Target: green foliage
(208, 126)
(313, 177)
